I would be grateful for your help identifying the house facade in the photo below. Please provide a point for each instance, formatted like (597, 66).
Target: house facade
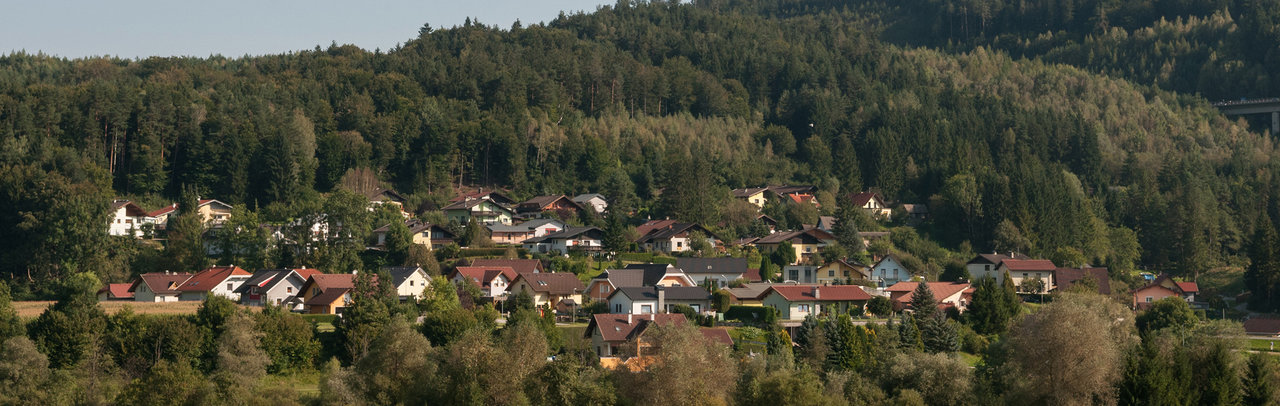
(158, 286)
(637, 275)
(493, 281)
(841, 272)
(947, 294)
(808, 244)
(485, 211)
(127, 220)
(559, 204)
(410, 281)
(673, 237)
(613, 335)
(757, 196)
(549, 288)
(718, 271)
(889, 271)
(273, 287)
(649, 299)
(216, 281)
(518, 233)
(873, 204)
(1164, 286)
(571, 238)
(595, 201)
(327, 293)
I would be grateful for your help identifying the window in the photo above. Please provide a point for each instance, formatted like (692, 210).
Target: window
(795, 274)
(986, 268)
(1148, 299)
(288, 289)
(604, 288)
(229, 287)
(617, 307)
(832, 272)
(410, 282)
(679, 244)
(645, 309)
(696, 308)
(804, 308)
(277, 301)
(1024, 274)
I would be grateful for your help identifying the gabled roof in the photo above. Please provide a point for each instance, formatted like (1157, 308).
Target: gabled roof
(263, 279)
(542, 203)
(624, 327)
(672, 230)
(160, 282)
(483, 276)
(130, 209)
(1029, 264)
(719, 335)
(1181, 288)
(326, 281)
(650, 274)
(1065, 277)
(586, 197)
(519, 265)
(653, 225)
(861, 199)
(172, 207)
(556, 283)
(468, 204)
(806, 236)
(638, 293)
(790, 189)
(117, 290)
(1189, 287)
(399, 274)
(525, 226)
(481, 194)
(383, 194)
(915, 208)
(747, 192)
(327, 296)
(941, 290)
(793, 293)
(210, 277)
(712, 265)
(754, 291)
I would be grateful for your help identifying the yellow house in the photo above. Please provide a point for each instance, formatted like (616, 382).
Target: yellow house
(808, 244)
(549, 288)
(754, 196)
(841, 272)
(327, 293)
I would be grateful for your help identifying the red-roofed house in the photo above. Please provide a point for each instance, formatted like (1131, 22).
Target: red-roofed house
(157, 286)
(519, 265)
(212, 212)
(1163, 286)
(327, 293)
(128, 219)
(492, 280)
(794, 302)
(948, 294)
(1262, 326)
(216, 280)
(872, 203)
(610, 333)
(115, 291)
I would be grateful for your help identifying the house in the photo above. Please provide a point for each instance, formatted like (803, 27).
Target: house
(327, 293)
(115, 291)
(757, 195)
(803, 273)
(214, 280)
(521, 266)
(841, 272)
(212, 213)
(658, 299)
(485, 211)
(1164, 286)
(481, 194)
(273, 287)
(595, 201)
(916, 212)
(1262, 326)
(719, 271)
(549, 288)
(667, 236)
(613, 335)
(423, 233)
(571, 238)
(127, 220)
(808, 243)
(787, 191)
(872, 203)
(794, 302)
(1024, 272)
(948, 294)
(379, 196)
(516, 234)
(826, 223)
(561, 205)
(987, 265)
(803, 198)
(1064, 278)
(889, 271)
(410, 281)
(492, 280)
(158, 286)
(869, 236)
(636, 275)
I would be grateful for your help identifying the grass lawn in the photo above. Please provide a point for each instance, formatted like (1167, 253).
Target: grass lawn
(1227, 281)
(306, 385)
(970, 359)
(324, 327)
(1257, 344)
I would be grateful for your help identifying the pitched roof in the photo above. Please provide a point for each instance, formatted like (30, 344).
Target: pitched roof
(651, 273)
(383, 194)
(130, 209)
(789, 189)
(556, 283)
(653, 225)
(1188, 287)
(161, 282)
(718, 335)
(262, 278)
(623, 327)
(941, 290)
(481, 194)
(117, 290)
(568, 233)
(468, 204)
(541, 203)
(210, 277)
(525, 226)
(806, 236)
(326, 281)
(519, 265)
(672, 230)
(483, 275)
(401, 273)
(752, 275)
(636, 293)
(1065, 277)
(861, 199)
(794, 293)
(174, 206)
(747, 192)
(1029, 264)
(755, 290)
(586, 197)
(1262, 325)
(712, 265)
(327, 296)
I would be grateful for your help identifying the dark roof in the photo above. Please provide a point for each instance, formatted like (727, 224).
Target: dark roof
(519, 265)
(652, 273)
(995, 259)
(712, 265)
(653, 225)
(672, 230)
(556, 283)
(209, 278)
(623, 327)
(401, 273)
(819, 293)
(130, 209)
(808, 236)
(262, 278)
(327, 296)
(747, 192)
(672, 293)
(861, 199)
(1262, 325)
(161, 282)
(384, 195)
(481, 194)
(789, 189)
(541, 203)
(468, 204)
(570, 232)
(1065, 277)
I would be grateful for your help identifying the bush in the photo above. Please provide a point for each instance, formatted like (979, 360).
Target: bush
(880, 306)
(970, 341)
(751, 314)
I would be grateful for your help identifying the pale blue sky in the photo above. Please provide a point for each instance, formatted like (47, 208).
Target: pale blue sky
(233, 28)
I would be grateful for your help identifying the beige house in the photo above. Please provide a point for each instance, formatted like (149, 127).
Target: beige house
(549, 288)
(212, 213)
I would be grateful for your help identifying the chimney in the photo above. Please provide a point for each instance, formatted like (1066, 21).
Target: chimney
(662, 299)
(628, 318)
(815, 293)
(652, 317)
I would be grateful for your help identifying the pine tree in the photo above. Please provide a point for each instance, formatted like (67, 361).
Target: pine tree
(986, 312)
(1260, 385)
(846, 228)
(1263, 274)
(938, 334)
(922, 301)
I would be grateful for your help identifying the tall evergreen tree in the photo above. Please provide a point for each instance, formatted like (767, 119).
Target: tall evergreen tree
(986, 313)
(923, 304)
(846, 228)
(1263, 274)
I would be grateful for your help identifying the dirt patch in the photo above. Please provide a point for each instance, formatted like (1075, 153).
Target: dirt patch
(32, 309)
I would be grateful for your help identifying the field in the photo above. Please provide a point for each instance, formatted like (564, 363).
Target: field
(32, 309)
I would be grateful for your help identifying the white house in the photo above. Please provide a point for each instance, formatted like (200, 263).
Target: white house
(658, 299)
(873, 204)
(410, 281)
(128, 219)
(492, 280)
(889, 271)
(158, 286)
(592, 200)
(579, 238)
(273, 287)
(217, 280)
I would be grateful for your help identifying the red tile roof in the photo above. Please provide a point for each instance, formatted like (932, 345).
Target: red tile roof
(325, 281)
(823, 293)
(306, 273)
(1029, 264)
(717, 335)
(861, 199)
(209, 278)
(1261, 325)
(941, 290)
(482, 276)
(519, 265)
(623, 327)
(117, 290)
(1189, 287)
(651, 225)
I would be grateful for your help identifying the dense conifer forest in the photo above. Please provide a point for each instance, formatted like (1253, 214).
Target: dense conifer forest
(1080, 131)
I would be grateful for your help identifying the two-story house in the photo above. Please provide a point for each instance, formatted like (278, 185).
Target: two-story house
(215, 280)
(658, 299)
(795, 302)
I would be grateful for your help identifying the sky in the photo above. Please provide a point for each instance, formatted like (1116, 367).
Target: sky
(233, 28)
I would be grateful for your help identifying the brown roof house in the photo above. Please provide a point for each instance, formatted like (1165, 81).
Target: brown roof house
(636, 275)
(115, 291)
(492, 280)
(158, 286)
(1065, 278)
(521, 266)
(214, 280)
(794, 302)
(872, 203)
(947, 294)
(561, 205)
(327, 293)
(549, 288)
(613, 335)
(1262, 326)
(671, 237)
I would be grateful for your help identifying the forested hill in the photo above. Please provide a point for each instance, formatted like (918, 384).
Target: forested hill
(689, 100)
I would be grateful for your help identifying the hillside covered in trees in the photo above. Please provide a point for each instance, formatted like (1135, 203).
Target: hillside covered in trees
(649, 103)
